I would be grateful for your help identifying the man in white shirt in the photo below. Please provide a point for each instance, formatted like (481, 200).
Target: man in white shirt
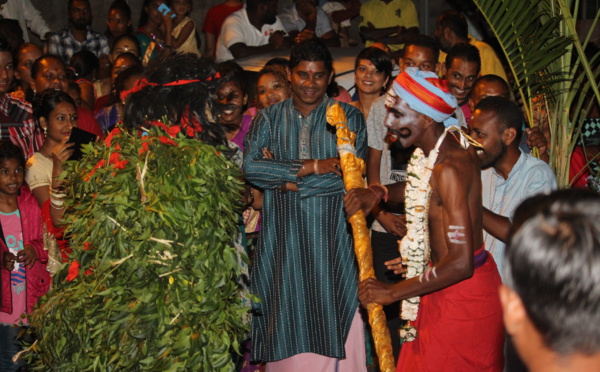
(508, 175)
(252, 30)
(27, 15)
(306, 20)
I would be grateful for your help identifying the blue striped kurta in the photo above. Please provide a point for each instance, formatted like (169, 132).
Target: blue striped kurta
(304, 268)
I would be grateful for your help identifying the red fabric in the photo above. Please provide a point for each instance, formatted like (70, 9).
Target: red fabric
(578, 164)
(216, 16)
(466, 109)
(38, 278)
(423, 94)
(87, 121)
(65, 250)
(459, 328)
(102, 102)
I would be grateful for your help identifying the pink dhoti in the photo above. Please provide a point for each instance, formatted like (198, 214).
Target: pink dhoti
(309, 362)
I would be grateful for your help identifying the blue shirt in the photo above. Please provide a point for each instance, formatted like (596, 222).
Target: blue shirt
(529, 176)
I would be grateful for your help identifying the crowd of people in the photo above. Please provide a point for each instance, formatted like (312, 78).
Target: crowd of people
(447, 165)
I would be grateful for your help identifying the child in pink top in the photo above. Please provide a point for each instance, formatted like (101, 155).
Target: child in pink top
(23, 274)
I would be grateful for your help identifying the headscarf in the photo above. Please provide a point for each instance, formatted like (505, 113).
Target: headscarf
(425, 93)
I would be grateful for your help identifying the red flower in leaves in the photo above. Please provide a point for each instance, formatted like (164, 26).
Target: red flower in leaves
(144, 147)
(101, 163)
(73, 270)
(115, 160)
(110, 136)
(167, 141)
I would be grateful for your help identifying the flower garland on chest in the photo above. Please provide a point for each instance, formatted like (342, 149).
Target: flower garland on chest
(414, 248)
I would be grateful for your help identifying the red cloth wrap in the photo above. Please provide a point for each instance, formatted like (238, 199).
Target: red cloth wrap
(459, 328)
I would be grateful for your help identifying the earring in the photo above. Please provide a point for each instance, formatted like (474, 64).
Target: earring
(46, 132)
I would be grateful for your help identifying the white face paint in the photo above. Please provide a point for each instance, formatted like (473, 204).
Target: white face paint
(456, 235)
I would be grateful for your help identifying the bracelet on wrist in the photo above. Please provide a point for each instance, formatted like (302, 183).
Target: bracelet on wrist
(380, 187)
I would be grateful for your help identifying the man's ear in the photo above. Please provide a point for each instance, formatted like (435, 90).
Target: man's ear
(245, 100)
(438, 69)
(471, 104)
(401, 64)
(443, 70)
(331, 75)
(509, 135)
(513, 310)
(427, 121)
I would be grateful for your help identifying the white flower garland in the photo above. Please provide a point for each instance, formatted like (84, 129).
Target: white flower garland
(414, 248)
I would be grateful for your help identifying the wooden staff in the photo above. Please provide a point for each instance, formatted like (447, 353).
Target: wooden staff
(352, 171)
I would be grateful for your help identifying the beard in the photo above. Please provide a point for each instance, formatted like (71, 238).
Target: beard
(490, 159)
(81, 24)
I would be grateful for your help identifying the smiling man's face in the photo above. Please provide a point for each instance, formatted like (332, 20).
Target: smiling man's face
(309, 81)
(461, 75)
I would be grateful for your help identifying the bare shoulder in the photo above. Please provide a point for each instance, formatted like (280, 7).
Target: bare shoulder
(455, 165)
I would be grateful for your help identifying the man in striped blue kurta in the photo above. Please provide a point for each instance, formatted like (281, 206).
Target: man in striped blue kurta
(304, 269)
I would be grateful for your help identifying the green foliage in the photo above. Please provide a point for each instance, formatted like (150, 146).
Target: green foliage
(556, 81)
(157, 237)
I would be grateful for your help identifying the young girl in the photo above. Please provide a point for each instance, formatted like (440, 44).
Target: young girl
(272, 87)
(154, 43)
(183, 33)
(23, 274)
(56, 114)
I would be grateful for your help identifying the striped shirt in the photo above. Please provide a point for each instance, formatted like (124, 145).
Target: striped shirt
(304, 267)
(64, 44)
(16, 123)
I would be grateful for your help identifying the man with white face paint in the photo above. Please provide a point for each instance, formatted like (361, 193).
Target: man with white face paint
(458, 322)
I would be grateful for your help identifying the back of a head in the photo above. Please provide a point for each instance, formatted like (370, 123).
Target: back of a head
(181, 84)
(128, 73)
(128, 57)
(553, 264)
(425, 41)
(506, 112)
(312, 50)
(456, 21)
(85, 63)
(493, 79)
(466, 52)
